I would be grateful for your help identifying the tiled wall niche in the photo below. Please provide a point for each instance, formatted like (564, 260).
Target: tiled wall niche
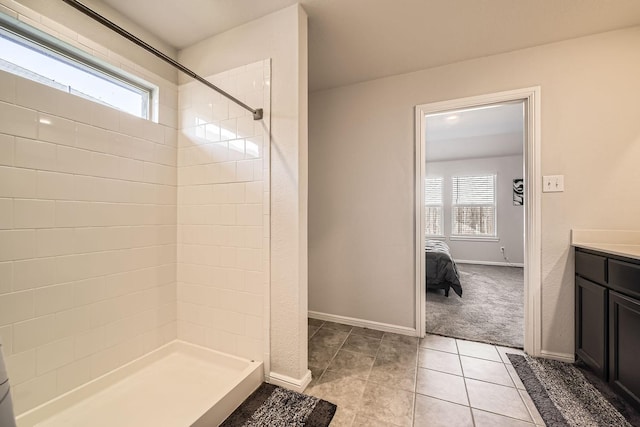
(223, 214)
(87, 228)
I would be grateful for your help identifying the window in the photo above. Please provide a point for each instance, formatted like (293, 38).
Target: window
(433, 206)
(34, 55)
(474, 206)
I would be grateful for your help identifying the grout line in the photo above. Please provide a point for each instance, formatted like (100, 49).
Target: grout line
(335, 354)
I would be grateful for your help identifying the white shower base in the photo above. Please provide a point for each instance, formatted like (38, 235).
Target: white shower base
(177, 385)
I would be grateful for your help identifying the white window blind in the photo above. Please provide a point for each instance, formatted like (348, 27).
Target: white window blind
(433, 206)
(474, 206)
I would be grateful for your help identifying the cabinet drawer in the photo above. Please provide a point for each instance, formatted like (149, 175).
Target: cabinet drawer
(624, 277)
(592, 267)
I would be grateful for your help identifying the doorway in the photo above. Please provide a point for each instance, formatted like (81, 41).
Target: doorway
(529, 101)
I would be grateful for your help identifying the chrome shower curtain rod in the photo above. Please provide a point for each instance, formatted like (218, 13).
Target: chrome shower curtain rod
(257, 113)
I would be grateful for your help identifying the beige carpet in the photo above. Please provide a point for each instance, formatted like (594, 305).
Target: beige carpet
(491, 308)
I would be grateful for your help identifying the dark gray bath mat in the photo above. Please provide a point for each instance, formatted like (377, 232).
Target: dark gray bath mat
(568, 396)
(273, 406)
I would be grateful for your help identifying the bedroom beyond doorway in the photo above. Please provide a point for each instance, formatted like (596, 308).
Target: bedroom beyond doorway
(473, 218)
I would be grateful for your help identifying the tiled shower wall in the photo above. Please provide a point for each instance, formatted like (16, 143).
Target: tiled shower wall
(87, 230)
(223, 214)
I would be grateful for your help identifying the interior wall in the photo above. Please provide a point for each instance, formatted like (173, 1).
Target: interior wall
(223, 213)
(361, 207)
(87, 233)
(509, 218)
(280, 36)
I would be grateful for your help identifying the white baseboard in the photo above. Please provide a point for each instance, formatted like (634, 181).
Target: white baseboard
(378, 326)
(290, 383)
(562, 357)
(501, 263)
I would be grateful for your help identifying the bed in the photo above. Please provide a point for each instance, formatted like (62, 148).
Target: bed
(441, 270)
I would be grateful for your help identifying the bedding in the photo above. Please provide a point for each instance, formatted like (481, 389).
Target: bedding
(441, 270)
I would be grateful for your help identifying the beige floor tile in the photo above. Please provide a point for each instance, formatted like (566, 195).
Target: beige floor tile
(320, 356)
(367, 332)
(437, 342)
(514, 376)
(343, 391)
(394, 374)
(336, 326)
(442, 386)
(353, 364)
(487, 419)
(397, 353)
(439, 413)
(478, 349)
(323, 346)
(386, 404)
(362, 344)
(364, 421)
(497, 399)
(504, 350)
(439, 361)
(400, 339)
(533, 411)
(330, 337)
(342, 418)
(316, 373)
(486, 370)
(314, 322)
(312, 330)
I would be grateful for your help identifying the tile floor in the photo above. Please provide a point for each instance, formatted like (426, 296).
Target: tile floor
(384, 379)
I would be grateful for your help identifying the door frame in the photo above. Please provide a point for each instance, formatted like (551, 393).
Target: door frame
(532, 196)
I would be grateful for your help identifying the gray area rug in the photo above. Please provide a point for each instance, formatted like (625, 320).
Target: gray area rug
(491, 309)
(565, 396)
(273, 406)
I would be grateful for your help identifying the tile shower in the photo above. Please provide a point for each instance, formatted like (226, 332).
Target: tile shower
(119, 235)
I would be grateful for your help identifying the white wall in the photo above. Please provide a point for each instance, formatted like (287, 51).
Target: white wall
(223, 213)
(361, 171)
(510, 219)
(87, 232)
(281, 36)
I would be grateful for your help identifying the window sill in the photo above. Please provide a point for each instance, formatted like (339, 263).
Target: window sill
(476, 239)
(436, 237)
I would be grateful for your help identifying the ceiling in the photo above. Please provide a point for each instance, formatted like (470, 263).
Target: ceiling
(357, 40)
(487, 131)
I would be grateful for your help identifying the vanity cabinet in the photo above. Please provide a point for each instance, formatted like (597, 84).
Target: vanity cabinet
(624, 345)
(591, 325)
(607, 295)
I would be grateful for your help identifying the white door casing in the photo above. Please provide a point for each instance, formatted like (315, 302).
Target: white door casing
(532, 238)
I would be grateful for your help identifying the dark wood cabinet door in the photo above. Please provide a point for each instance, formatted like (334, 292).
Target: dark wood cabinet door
(624, 352)
(591, 327)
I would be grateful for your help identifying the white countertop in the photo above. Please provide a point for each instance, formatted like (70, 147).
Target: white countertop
(624, 243)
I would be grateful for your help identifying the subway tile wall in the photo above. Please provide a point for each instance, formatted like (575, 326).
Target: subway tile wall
(87, 229)
(223, 214)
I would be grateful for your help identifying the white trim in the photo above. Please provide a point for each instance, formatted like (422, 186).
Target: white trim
(533, 177)
(475, 239)
(498, 263)
(419, 221)
(563, 357)
(351, 321)
(290, 383)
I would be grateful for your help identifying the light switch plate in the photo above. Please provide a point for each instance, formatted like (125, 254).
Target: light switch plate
(552, 183)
